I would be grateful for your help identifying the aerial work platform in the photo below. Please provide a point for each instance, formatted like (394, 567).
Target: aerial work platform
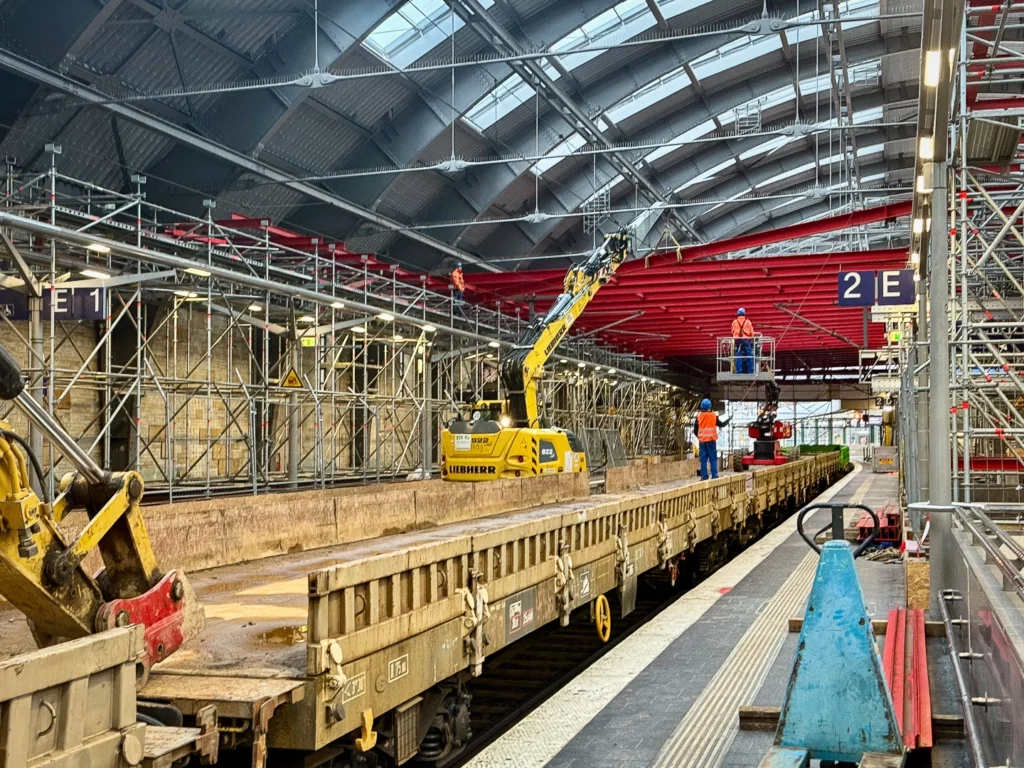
(671, 693)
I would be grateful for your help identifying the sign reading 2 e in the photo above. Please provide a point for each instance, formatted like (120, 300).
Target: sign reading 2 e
(865, 289)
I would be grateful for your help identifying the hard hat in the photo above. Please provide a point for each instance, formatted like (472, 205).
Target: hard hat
(741, 311)
(705, 404)
(458, 265)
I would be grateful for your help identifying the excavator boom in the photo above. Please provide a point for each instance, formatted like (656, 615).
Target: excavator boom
(523, 366)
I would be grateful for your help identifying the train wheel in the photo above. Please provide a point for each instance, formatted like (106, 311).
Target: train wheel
(603, 618)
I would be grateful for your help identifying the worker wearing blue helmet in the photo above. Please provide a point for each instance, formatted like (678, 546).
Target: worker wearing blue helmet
(705, 427)
(743, 342)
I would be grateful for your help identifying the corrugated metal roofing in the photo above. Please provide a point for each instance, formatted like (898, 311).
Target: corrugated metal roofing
(245, 26)
(312, 139)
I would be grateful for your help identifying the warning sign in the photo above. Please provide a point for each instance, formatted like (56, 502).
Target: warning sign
(292, 380)
(1019, 401)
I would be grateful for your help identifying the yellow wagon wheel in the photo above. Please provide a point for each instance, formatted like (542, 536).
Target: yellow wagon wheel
(603, 618)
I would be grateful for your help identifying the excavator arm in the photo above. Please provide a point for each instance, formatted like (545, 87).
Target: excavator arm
(43, 571)
(521, 369)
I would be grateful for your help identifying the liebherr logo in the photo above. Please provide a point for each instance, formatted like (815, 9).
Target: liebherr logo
(554, 342)
(457, 469)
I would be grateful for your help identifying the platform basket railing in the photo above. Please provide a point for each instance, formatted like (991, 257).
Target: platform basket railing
(730, 360)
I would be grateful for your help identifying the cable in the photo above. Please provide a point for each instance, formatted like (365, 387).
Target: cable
(36, 466)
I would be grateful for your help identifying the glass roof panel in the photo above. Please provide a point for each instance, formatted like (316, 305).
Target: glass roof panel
(680, 139)
(563, 148)
(651, 93)
(626, 19)
(412, 30)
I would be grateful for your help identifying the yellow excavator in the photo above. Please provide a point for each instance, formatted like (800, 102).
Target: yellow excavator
(507, 439)
(43, 571)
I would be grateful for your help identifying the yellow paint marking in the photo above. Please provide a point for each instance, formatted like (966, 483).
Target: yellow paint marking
(232, 611)
(290, 587)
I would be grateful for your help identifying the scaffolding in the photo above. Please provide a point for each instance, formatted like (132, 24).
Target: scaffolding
(224, 354)
(972, 298)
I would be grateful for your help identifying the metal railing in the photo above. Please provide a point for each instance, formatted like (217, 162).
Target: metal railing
(734, 362)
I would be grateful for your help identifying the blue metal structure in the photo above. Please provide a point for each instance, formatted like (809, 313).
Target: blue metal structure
(838, 705)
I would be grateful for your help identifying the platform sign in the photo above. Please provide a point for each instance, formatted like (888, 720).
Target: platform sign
(856, 289)
(896, 286)
(68, 304)
(887, 287)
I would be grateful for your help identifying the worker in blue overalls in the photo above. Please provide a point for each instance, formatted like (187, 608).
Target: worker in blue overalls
(705, 427)
(743, 342)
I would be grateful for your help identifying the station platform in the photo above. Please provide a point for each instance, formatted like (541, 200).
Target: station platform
(670, 693)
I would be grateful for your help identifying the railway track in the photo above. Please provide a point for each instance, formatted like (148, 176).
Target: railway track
(520, 678)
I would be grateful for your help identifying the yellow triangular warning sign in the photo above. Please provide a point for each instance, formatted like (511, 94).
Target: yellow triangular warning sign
(292, 380)
(1019, 401)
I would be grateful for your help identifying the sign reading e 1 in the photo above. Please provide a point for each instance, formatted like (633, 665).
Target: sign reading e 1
(865, 289)
(68, 304)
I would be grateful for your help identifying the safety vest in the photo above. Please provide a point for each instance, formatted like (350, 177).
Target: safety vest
(707, 426)
(459, 281)
(742, 328)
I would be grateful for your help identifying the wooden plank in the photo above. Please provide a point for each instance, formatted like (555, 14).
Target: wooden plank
(754, 718)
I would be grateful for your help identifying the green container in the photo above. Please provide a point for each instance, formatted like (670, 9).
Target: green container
(844, 451)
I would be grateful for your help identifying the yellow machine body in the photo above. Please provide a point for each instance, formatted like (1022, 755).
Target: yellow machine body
(472, 452)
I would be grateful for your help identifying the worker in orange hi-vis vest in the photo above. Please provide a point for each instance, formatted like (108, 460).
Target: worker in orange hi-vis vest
(705, 427)
(743, 342)
(459, 284)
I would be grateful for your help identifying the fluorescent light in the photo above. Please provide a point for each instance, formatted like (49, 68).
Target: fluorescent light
(358, 329)
(338, 305)
(581, 365)
(197, 272)
(255, 307)
(932, 68)
(922, 186)
(917, 278)
(611, 371)
(95, 273)
(386, 317)
(493, 344)
(597, 367)
(307, 319)
(928, 224)
(97, 248)
(488, 357)
(918, 226)
(563, 360)
(186, 294)
(915, 258)
(925, 150)
(429, 329)
(398, 337)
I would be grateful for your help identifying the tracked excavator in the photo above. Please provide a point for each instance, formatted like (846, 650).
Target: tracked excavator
(44, 573)
(509, 440)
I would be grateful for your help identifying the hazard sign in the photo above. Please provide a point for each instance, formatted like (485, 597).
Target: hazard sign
(1019, 401)
(292, 380)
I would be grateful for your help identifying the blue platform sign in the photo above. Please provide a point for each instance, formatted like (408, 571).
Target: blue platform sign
(856, 289)
(866, 289)
(896, 286)
(68, 304)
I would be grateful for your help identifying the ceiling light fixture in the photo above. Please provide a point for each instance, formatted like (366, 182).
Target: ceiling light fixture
(255, 307)
(493, 344)
(925, 150)
(429, 329)
(338, 305)
(918, 226)
(386, 317)
(95, 274)
(197, 272)
(97, 248)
